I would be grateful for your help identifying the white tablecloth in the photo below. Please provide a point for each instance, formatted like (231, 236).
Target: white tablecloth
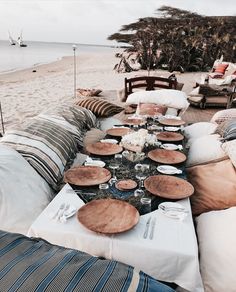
(171, 256)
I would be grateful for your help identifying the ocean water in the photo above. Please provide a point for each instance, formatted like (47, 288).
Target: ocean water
(15, 58)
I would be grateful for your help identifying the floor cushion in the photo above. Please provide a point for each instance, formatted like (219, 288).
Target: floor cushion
(214, 186)
(49, 148)
(23, 192)
(217, 240)
(204, 149)
(36, 265)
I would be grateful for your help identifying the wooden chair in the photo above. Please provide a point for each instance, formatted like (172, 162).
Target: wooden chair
(150, 83)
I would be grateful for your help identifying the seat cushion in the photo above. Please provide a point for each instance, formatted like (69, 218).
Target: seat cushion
(166, 97)
(214, 186)
(23, 192)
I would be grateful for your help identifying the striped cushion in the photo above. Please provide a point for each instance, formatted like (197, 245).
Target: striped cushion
(71, 116)
(100, 107)
(47, 147)
(35, 265)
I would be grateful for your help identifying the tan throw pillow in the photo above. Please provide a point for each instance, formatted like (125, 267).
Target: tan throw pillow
(100, 107)
(215, 186)
(230, 149)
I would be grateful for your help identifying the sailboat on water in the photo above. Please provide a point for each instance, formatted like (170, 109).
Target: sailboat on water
(12, 41)
(20, 41)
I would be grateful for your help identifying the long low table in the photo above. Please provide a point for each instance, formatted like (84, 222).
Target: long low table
(171, 256)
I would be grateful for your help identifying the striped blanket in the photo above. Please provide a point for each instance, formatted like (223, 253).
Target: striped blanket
(28, 265)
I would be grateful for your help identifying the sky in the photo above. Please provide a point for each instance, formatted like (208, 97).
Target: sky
(89, 21)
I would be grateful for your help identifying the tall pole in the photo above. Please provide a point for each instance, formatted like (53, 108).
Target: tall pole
(74, 49)
(3, 130)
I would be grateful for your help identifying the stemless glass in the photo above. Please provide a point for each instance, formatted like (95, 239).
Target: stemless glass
(146, 205)
(118, 158)
(139, 193)
(103, 188)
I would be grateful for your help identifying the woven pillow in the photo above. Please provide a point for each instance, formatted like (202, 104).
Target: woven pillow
(224, 115)
(49, 148)
(100, 107)
(214, 186)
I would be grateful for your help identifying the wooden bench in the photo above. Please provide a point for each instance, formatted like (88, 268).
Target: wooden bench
(149, 83)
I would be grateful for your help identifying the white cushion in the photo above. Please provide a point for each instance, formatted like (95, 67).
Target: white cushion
(230, 149)
(107, 123)
(199, 129)
(23, 192)
(205, 149)
(217, 240)
(167, 97)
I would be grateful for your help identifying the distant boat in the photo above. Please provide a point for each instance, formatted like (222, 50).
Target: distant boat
(12, 41)
(20, 41)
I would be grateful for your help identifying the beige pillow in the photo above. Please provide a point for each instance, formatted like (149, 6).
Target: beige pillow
(214, 186)
(217, 240)
(205, 149)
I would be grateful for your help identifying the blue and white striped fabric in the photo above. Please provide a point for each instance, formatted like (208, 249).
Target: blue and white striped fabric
(28, 265)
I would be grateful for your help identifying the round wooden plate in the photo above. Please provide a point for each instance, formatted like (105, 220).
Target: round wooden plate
(166, 156)
(100, 148)
(169, 187)
(118, 132)
(108, 216)
(172, 122)
(126, 184)
(87, 175)
(169, 136)
(134, 121)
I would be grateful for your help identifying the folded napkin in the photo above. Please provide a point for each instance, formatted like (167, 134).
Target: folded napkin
(173, 210)
(90, 162)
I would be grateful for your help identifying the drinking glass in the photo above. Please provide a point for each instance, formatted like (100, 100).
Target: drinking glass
(146, 205)
(113, 166)
(118, 159)
(141, 173)
(104, 190)
(139, 193)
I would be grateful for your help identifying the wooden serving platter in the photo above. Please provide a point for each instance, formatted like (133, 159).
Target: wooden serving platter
(108, 216)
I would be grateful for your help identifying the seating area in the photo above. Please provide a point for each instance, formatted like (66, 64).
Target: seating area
(216, 88)
(36, 157)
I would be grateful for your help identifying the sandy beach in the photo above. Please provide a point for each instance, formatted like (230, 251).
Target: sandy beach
(24, 94)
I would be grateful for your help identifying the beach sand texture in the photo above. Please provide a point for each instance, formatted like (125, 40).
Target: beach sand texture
(24, 94)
